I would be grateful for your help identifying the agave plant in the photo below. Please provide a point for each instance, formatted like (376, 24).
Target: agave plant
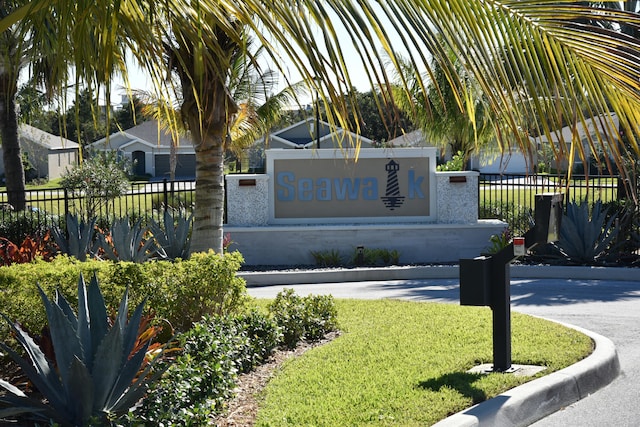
(585, 237)
(97, 375)
(78, 239)
(127, 242)
(174, 236)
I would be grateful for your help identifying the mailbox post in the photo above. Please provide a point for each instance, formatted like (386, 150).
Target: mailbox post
(485, 280)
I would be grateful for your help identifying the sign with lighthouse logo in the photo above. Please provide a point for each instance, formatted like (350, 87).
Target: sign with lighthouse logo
(375, 186)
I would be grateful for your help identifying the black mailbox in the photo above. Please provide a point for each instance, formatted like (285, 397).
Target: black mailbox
(548, 215)
(475, 281)
(484, 281)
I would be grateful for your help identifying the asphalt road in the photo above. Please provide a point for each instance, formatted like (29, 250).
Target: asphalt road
(608, 308)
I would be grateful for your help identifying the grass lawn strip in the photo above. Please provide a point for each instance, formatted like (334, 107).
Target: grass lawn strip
(404, 363)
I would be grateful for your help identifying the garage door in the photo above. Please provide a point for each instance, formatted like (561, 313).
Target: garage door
(185, 167)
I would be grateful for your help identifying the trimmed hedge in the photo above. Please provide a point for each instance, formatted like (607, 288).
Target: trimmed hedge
(181, 292)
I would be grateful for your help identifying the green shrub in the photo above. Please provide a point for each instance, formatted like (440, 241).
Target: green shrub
(19, 298)
(199, 381)
(180, 292)
(205, 284)
(499, 241)
(330, 258)
(264, 336)
(370, 257)
(519, 218)
(375, 257)
(16, 226)
(455, 164)
(177, 201)
(309, 317)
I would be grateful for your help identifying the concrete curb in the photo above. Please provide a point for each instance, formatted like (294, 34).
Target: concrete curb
(266, 278)
(525, 404)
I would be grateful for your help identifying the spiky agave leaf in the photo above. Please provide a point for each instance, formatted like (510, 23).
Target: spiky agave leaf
(38, 369)
(64, 337)
(78, 238)
(128, 242)
(173, 238)
(19, 403)
(586, 235)
(96, 376)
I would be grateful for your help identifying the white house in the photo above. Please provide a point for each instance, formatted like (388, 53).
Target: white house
(512, 161)
(50, 155)
(607, 125)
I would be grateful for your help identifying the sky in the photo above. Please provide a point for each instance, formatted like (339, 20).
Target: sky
(139, 80)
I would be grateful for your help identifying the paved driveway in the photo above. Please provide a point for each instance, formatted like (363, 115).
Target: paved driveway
(611, 309)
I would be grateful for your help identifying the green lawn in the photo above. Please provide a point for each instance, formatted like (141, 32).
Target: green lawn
(401, 363)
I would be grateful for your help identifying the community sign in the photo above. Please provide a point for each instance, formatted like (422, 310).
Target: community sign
(327, 185)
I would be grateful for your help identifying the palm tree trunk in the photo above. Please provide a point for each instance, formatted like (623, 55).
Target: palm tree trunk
(209, 210)
(11, 155)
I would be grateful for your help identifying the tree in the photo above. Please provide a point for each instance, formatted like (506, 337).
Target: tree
(259, 107)
(35, 41)
(98, 180)
(130, 115)
(321, 40)
(461, 121)
(381, 122)
(11, 47)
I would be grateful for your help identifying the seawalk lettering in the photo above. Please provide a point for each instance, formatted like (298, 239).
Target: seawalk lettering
(291, 188)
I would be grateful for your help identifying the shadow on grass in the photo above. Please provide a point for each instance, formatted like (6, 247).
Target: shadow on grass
(462, 382)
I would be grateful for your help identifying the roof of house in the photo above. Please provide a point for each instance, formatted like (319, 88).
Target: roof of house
(307, 132)
(606, 124)
(146, 132)
(412, 139)
(45, 139)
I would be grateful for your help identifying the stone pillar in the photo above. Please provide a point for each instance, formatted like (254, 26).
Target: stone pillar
(247, 199)
(457, 197)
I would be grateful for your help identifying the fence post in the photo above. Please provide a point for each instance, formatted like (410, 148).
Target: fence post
(165, 193)
(66, 203)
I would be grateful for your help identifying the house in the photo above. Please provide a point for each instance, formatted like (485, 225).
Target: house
(486, 161)
(411, 139)
(149, 148)
(511, 161)
(48, 154)
(306, 134)
(606, 125)
(313, 133)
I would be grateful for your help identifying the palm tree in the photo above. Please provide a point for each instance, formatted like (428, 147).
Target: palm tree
(259, 107)
(12, 46)
(321, 40)
(436, 112)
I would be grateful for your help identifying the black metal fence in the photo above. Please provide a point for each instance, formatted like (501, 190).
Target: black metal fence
(48, 207)
(500, 196)
(511, 197)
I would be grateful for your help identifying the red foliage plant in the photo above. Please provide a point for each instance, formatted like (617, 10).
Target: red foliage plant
(30, 249)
